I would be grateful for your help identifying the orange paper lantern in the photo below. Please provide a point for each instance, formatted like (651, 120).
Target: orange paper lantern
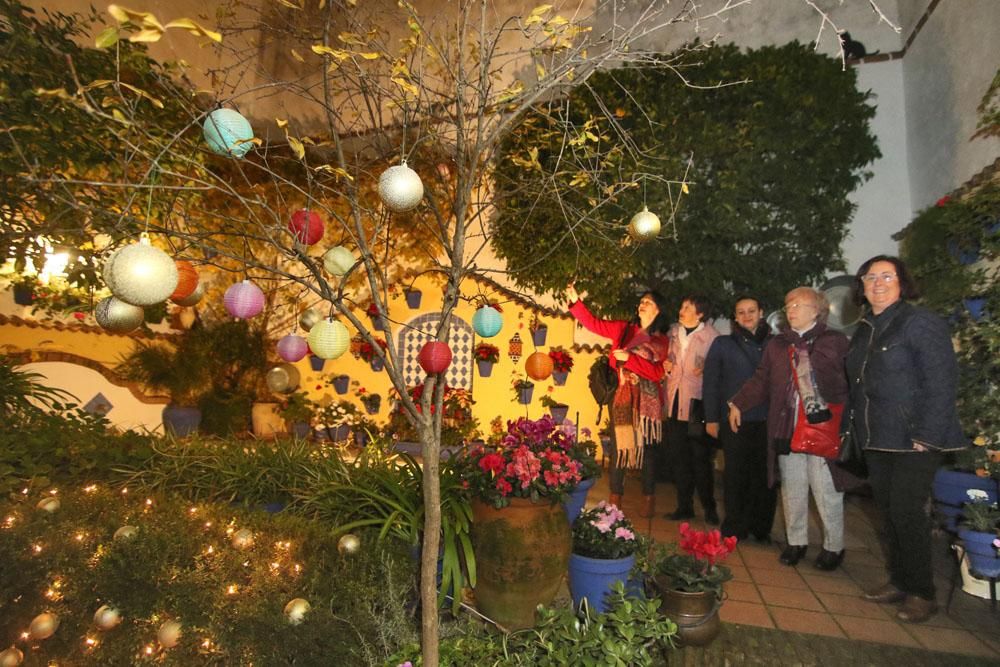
(538, 365)
(187, 280)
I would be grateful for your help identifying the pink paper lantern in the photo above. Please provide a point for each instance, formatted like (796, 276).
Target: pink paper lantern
(244, 300)
(434, 357)
(307, 226)
(292, 348)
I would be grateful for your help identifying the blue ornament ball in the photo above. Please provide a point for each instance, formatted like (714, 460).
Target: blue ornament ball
(487, 322)
(223, 128)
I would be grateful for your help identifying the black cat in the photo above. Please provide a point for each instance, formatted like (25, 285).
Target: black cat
(853, 50)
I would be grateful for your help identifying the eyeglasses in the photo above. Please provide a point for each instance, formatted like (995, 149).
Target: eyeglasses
(870, 278)
(793, 307)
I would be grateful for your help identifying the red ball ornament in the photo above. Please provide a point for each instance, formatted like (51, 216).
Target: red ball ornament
(307, 226)
(434, 357)
(187, 280)
(538, 365)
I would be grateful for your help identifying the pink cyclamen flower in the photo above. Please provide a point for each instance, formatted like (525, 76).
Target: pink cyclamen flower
(624, 533)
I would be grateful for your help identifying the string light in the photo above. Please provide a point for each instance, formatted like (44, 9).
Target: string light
(232, 589)
(37, 548)
(149, 649)
(90, 489)
(9, 521)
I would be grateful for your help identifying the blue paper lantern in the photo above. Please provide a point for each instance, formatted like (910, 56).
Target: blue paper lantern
(487, 322)
(228, 133)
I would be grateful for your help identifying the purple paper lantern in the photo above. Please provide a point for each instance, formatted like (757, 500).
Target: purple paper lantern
(292, 348)
(244, 300)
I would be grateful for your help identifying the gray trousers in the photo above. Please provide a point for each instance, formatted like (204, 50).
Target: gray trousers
(799, 474)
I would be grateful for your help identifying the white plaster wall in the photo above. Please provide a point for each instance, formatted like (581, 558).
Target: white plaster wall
(84, 383)
(946, 71)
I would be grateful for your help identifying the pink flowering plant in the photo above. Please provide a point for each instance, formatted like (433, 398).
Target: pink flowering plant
(534, 459)
(604, 532)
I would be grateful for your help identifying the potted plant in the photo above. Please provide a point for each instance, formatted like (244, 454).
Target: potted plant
(539, 330)
(340, 383)
(335, 421)
(486, 355)
(458, 426)
(412, 297)
(375, 316)
(23, 287)
(519, 532)
(556, 409)
(604, 548)
(980, 521)
(562, 364)
(584, 450)
(689, 582)
(367, 352)
(523, 391)
(298, 411)
(371, 401)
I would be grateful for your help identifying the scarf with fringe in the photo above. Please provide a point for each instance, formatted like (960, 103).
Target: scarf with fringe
(637, 405)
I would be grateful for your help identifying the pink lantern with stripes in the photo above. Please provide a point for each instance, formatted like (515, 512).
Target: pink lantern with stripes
(292, 348)
(244, 300)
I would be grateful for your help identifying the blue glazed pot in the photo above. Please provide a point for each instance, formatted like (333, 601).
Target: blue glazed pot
(341, 383)
(524, 397)
(377, 364)
(983, 559)
(485, 368)
(952, 486)
(559, 413)
(975, 306)
(538, 335)
(413, 298)
(592, 578)
(559, 377)
(180, 421)
(301, 430)
(577, 498)
(316, 363)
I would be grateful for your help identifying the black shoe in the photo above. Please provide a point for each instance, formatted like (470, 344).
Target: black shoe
(712, 517)
(829, 560)
(792, 555)
(680, 514)
(762, 539)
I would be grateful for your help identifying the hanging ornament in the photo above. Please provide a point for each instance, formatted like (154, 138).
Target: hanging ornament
(307, 226)
(48, 504)
(243, 538)
(292, 348)
(194, 297)
(244, 300)
(140, 274)
(487, 321)
(116, 315)
(400, 188)
(348, 544)
(283, 379)
(107, 617)
(187, 280)
(43, 626)
(11, 657)
(309, 318)
(126, 532)
(538, 366)
(338, 261)
(328, 339)
(169, 634)
(644, 225)
(227, 132)
(434, 357)
(296, 610)
(514, 347)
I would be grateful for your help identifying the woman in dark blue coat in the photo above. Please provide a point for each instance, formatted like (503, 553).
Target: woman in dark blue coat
(903, 381)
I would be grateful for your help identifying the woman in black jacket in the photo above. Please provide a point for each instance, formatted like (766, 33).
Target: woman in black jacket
(903, 380)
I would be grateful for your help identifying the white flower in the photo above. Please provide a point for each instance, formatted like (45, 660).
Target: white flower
(977, 495)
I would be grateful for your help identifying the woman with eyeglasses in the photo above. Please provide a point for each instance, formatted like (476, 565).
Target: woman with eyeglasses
(903, 377)
(802, 366)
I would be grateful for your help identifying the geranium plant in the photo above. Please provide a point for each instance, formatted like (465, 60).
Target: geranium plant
(533, 460)
(604, 532)
(562, 361)
(487, 352)
(698, 567)
(367, 351)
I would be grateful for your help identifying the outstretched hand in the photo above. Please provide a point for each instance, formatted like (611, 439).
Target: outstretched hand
(572, 296)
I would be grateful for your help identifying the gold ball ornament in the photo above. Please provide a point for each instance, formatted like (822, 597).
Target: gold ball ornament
(43, 626)
(296, 610)
(193, 298)
(349, 544)
(140, 274)
(48, 504)
(283, 379)
(338, 261)
(644, 225)
(243, 538)
(11, 657)
(115, 315)
(169, 634)
(400, 188)
(107, 617)
(328, 339)
(126, 532)
(309, 318)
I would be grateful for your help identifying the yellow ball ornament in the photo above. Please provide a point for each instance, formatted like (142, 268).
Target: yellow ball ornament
(644, 225)
(296, 610)
(169, 634)
(349, 544)
(107, 617)
(43, 626)
(11, 657)
(243, 538)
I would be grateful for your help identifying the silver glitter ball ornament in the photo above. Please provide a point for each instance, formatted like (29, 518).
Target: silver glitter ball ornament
(107, 617)
(140, 274)
(400, 188)
(644, 225)
(296, 610)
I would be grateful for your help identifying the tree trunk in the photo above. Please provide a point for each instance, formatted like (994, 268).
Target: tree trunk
(430, 440)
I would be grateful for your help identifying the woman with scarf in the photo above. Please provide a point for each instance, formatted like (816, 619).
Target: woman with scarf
(801, 374)
(638, 348)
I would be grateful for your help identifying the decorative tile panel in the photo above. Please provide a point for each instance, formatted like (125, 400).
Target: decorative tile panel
(421, 329)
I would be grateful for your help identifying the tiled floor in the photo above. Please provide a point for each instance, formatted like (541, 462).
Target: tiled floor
(766, 593)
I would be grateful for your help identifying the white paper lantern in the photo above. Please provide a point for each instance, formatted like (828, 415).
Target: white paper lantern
(338, 261)
(309, 318)
(126, 532)
(43, 626)
(243, 538)
(644, 225)
(292, 348)
(169, 634)
(400, 188)
(140, 274)
(107, 617)
(48, 504)
(244, 300)
(11, 657)
(296, 610)
(329, 339)
(115, 315)
(283, 379)
(228, 133)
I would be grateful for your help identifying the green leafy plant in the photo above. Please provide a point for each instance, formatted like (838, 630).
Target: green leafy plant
(549, 402)
(696, 566)
(981, 516)
(22, 393)
(297, 408)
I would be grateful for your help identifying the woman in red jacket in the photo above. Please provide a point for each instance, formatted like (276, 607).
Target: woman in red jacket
(638, 349)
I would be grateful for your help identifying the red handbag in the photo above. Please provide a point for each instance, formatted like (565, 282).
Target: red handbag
(821, 439)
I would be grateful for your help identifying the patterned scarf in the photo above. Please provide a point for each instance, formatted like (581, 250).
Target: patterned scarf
(805, 381)
(637, 406)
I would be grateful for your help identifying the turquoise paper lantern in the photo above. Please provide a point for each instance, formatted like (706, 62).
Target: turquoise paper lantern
(329, 339)
(487, 321)
(228, 133)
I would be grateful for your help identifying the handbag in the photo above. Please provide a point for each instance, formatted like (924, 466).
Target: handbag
(696, 418)
(822, 439)
(852, 455)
